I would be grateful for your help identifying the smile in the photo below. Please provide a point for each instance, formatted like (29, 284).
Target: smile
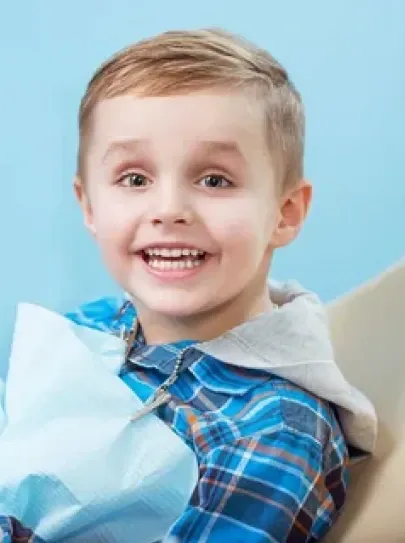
(180, 259)
(173, 253)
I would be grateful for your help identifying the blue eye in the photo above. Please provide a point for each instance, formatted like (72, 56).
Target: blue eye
(215, 182)
(133, 180)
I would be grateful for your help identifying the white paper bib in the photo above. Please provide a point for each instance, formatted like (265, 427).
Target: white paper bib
(72, 465)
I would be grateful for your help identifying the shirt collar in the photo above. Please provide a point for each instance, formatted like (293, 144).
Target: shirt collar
(161, 357)
(211, 373)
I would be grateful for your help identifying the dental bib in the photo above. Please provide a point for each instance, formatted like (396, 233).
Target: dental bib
(73, 467)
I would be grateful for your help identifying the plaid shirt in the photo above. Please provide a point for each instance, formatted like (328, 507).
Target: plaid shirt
(272, 458)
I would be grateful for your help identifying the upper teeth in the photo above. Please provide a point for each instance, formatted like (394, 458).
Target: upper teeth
(175, 253)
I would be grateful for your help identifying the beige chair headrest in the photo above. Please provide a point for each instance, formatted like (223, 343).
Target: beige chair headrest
(368, 332)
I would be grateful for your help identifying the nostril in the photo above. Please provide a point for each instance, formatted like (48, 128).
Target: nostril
(172, 219)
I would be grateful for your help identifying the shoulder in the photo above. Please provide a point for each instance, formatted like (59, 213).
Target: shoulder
(272, 411)
(103, 314)
(280, 406)
(303, 412)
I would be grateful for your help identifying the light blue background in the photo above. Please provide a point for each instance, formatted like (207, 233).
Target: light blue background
(348, 60)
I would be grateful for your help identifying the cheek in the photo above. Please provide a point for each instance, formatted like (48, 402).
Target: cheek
(244, 227)
(113, 229)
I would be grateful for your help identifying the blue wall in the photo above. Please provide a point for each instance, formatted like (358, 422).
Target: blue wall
(346, 57)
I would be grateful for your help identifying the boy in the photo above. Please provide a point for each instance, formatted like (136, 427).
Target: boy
(190, 176)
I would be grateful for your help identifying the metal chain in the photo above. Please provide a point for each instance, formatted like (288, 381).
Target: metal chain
(129, 338)
(174, 375)
(161, 395)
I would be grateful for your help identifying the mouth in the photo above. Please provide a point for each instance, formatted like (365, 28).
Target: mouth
(173, 259)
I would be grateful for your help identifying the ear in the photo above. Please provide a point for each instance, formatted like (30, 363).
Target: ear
(84, 202)
(294, 207)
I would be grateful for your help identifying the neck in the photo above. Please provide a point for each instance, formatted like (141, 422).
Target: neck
(206, 325)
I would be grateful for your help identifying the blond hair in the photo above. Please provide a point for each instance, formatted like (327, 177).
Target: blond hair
(180, 62)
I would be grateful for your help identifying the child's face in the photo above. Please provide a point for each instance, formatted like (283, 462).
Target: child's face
(191, 172)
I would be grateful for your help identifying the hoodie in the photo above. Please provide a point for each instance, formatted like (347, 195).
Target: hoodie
(292, 341)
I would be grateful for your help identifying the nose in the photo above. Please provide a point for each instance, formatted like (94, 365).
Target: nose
(171, 205)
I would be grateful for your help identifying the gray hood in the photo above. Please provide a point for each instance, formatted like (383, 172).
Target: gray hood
(292, 341)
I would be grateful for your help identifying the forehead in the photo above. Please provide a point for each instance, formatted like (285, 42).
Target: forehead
(231, 121)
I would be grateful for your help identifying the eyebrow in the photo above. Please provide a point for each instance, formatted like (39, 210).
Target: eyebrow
(209, 147)
(125, 146)
(221, 147)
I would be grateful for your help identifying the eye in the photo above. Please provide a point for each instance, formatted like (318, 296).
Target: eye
(133, 179)
(215, 182)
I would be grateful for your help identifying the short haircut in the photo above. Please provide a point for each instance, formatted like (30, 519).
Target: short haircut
(182, 62)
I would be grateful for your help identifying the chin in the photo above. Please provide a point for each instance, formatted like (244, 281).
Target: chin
(178, 310)
(168, 304)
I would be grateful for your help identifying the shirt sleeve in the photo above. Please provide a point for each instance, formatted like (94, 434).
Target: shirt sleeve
(284, 487)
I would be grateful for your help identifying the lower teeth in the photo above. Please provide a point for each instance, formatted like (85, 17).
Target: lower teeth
(174, 264)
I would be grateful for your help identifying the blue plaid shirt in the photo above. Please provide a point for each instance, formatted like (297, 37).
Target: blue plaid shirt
(272, 457)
